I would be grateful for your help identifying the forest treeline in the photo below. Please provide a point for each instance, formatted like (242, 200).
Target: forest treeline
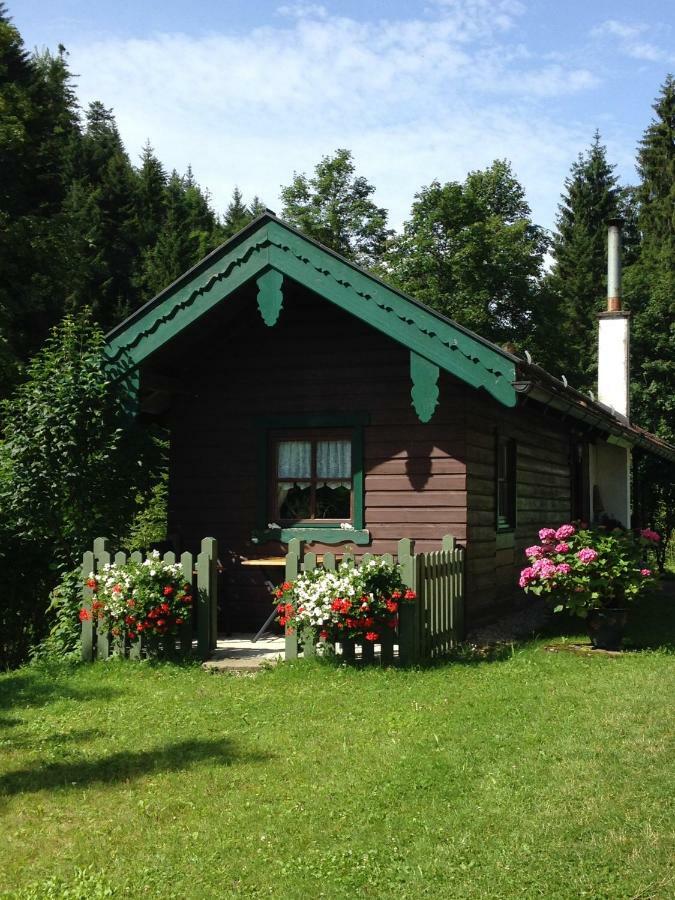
(85, 229)
(82, 225)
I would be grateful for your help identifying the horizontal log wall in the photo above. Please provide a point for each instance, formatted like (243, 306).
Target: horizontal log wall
(316, 359)
(543, 482)
(419, 478)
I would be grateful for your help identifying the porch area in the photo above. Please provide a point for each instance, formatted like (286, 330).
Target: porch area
(241, 653)
(424, 629)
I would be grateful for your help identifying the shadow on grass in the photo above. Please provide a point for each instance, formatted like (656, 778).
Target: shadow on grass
(55, 740)
(464, 654)
(124, 766)
(651, 626)
(6, 722)
(651, 623)
(34, 688)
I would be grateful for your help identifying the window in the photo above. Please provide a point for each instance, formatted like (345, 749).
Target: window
(312, 478)
(506, 484)
(310, 468)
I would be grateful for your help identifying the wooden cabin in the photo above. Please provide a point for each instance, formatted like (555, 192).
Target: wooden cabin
(306, 398)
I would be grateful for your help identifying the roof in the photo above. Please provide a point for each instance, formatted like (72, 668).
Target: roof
(269, 250)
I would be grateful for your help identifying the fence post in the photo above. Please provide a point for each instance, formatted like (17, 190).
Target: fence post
(187, 628)
(205, 597)
(213, 588)
(294, 558)
(456, 583)
(136, 646)
(87, 638)
(408, 613)
(102, 557)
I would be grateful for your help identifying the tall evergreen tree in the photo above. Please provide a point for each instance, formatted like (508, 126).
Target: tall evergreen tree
(578, 280)
(257, 207)
(189, 232)
(237, 214)
(650, 281)
(151, 206)
(103, 218)
(334, 206)
(38, 126)
(471, 251)
(650, 293)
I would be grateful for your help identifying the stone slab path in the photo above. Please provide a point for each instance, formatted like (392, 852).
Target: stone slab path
(238, 653)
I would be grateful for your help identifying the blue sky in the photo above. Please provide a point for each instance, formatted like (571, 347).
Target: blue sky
(246, 92)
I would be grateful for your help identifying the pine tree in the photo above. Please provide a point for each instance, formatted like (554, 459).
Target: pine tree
(334, 207)
(38, 130)
(471, 251)
(103, 219)
(189, 232)
(656, 167)
(257, 207)
(650, 281)
(578, 280)
(237, 214)
(151, 207)
(649, 289)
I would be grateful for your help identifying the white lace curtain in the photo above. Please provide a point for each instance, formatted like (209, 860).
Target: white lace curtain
(295, 459)
(333, 459)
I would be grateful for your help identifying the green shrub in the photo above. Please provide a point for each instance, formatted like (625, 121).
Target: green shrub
(63, 640)
(73, 466)
(150, 522)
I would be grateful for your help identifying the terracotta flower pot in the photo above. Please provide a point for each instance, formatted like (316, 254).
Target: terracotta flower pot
(606, 627)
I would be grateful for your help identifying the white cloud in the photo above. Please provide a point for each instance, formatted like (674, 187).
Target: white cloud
(632, 40)
(415, 99)
(302, 10)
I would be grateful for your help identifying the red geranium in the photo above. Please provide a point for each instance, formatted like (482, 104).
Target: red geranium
(354, 601)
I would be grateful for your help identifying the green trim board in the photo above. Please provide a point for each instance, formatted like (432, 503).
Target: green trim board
(424, 392)
(270, 296)
(326, 534)
(329, 534)
(268, 245)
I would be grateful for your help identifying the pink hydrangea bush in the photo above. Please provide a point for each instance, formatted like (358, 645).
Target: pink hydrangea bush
(586, 568)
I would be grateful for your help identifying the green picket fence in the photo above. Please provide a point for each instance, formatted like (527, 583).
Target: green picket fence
(428, 628)
(197, 637)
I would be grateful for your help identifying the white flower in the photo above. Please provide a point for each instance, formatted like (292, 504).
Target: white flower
(346, 526)
(273, 525)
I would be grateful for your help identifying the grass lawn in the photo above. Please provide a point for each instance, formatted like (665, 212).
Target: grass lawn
(538, 775)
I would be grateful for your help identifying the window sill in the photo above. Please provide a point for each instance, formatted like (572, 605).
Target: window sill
(322, 534)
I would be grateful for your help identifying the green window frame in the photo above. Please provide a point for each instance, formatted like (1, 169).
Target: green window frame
(506, 486)
(329, 532)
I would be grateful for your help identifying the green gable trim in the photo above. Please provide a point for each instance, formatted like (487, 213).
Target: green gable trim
(273, 246)
(270, 295)
(424, 392)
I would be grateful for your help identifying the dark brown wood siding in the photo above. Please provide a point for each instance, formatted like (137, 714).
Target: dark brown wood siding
(421, 480)
(543, 486)
(315, 360)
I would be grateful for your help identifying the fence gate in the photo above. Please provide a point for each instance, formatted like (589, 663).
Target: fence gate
(428, 628)
(199, 635)
(439, 579)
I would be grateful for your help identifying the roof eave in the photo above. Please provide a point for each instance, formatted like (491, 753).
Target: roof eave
(548, 390)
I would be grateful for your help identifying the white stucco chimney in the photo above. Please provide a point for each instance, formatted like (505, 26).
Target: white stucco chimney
(613, 334)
